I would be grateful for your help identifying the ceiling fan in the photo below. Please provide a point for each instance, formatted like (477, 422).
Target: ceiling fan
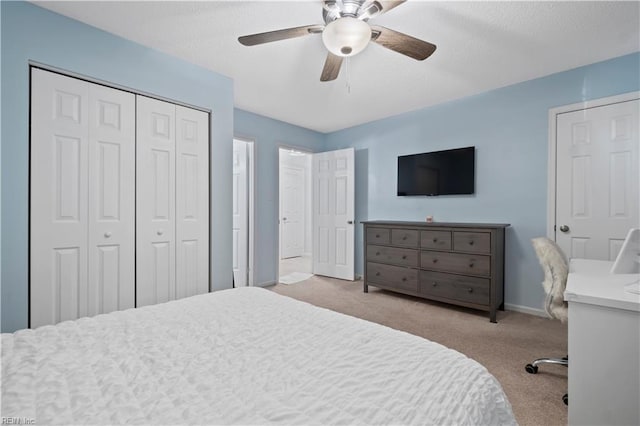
(347, 32)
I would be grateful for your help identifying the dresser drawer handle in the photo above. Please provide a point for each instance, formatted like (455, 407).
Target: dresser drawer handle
(404, 257)
(435, 240)
(377, 274)
(404, 237)
(377, 253)
(470, 290)
(404, 278)
(471, 265)
(435, 260)
(435, 284)
(377, 235)
(471, 242)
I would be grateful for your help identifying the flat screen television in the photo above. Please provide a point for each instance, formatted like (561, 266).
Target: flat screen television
(449, 172)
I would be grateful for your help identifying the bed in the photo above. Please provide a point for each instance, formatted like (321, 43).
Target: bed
(241, 356)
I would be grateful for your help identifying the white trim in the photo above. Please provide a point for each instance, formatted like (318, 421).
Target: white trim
(525, 310)
(251, 194)
(552, 147)
(78, 76)
(252, 214)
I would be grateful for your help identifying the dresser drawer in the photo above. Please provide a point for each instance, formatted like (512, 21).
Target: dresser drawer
(455, 287)
(436, 240)
(378, 235)
(392, 276)
(404, 237)
(475, 242)
(456, 262)
(394, 255)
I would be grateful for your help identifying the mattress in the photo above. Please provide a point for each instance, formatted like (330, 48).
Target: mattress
(241, 356)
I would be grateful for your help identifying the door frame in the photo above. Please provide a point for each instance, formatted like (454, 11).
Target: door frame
(251, 193)
(552, 148)
(308, 152)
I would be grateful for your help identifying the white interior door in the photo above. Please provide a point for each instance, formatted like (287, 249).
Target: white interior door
(112, 121)
(82, 200)
(291, 211)
(240, 214)
(597, 184)
(333, 213)
(59, 190)
(192, 202)
(155, 202)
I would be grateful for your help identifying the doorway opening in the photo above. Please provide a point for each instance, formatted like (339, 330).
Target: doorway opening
(243, 212)
(295, 262)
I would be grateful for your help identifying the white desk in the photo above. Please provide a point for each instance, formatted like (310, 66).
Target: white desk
(604, 345)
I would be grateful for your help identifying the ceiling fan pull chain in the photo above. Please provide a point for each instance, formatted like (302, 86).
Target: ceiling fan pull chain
(348, 74)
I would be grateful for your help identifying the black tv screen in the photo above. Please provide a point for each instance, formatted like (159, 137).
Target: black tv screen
(449, 172)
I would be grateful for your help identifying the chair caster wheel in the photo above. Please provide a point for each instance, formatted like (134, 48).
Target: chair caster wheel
(565, 399)
(531, 369)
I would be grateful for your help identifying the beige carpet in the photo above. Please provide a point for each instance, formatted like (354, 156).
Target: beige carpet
(503, 348)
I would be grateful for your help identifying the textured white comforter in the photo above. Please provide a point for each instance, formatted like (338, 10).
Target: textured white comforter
(242, 356)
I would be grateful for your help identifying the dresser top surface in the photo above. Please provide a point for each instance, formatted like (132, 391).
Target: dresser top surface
(435, 224)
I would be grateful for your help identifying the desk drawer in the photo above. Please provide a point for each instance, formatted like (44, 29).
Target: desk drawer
(404, 237)
(392, 276)
(455, 287)
(394, 255)
(435, 240)
(474, 242)
(456, 262)
(378, 236)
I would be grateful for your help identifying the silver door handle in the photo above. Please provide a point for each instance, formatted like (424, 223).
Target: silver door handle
(350, 222)
(160, 232)
(107, 234)
(564, 228)
(284, 218)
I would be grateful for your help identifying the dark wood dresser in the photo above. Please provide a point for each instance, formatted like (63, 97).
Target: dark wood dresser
(457, 263)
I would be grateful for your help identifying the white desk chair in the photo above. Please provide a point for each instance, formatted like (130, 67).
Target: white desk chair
(556, 269)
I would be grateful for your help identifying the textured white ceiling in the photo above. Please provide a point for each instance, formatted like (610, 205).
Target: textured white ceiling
(481, 46)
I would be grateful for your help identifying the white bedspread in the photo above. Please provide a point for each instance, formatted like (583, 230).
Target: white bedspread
(243, 356)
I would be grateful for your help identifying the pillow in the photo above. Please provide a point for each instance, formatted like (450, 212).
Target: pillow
(556, 269)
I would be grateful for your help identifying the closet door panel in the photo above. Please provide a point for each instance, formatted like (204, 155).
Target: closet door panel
(192, 202)
(58, 198)
(155, 201)
(112, 123)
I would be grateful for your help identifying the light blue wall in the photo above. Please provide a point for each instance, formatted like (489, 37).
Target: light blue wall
(509, 128)
(33, 33)
(268, 135)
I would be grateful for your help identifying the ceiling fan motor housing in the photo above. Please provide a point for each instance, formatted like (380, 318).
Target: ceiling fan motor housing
(333, 10)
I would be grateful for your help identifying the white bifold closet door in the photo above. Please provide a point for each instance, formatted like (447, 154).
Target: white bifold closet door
(82, 226)
(172, 202)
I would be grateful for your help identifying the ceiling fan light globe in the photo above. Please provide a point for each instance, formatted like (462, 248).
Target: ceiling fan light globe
(346, 36)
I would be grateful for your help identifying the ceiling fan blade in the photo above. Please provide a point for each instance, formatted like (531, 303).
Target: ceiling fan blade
(260, 38)
(377, 7)
(388, 5)
(331, 67)
(402, 43)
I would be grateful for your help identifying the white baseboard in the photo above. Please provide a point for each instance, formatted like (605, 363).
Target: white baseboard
(525, 310)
